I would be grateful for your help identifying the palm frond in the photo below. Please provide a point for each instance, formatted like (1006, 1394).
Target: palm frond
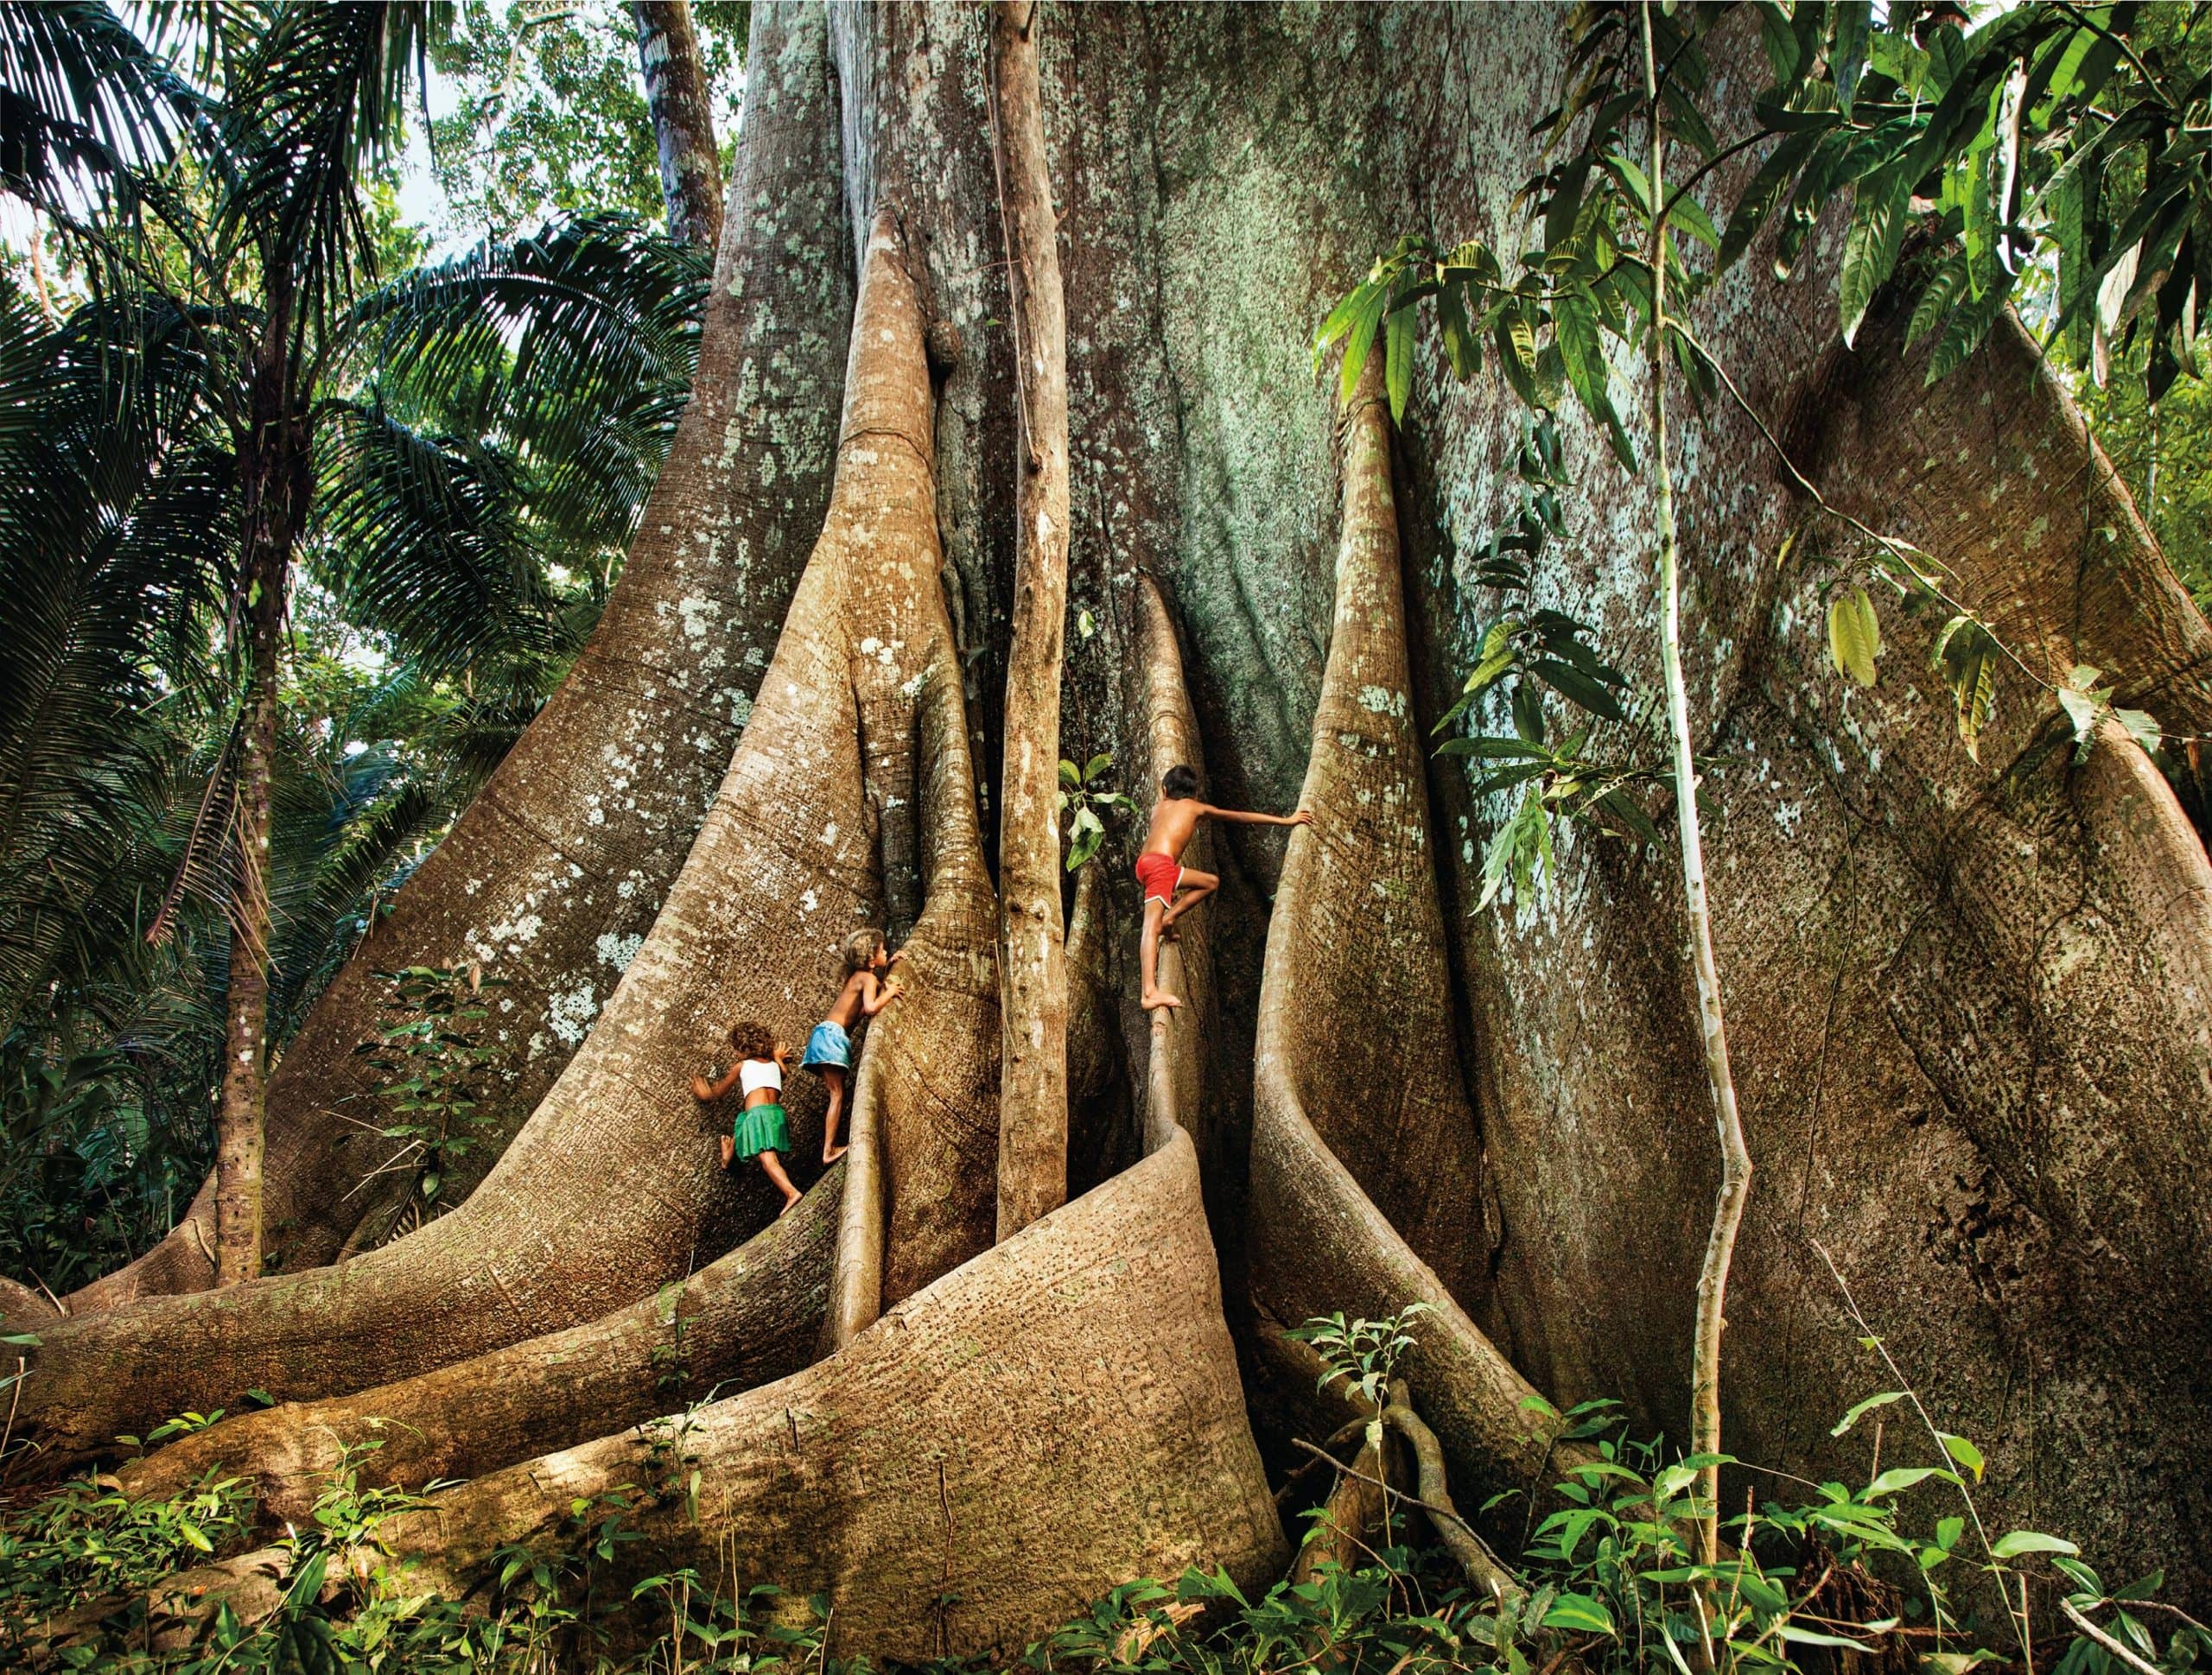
(317, 99)
(85, 106)
(108, 555)
(592, 308)
(423, 537)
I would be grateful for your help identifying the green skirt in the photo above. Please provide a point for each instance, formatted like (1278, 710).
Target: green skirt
(762, 1128)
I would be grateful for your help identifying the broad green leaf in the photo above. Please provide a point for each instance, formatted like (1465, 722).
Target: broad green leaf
(1463, 350)
(1854, 639)
(2142, 727)
(1966, 653)
(1495, 749)
(1366, 319)
(1780, 40)
(1582, 346)
(1521, 850)
(1689, 215)
(1870, 248)
(1965, 1453)
(1398, 361)
(1941, 293)
(1497, 655)
(2031, 1541)
(1572, 683)
(1968, 325)
(1625, 808)
(1789, 1631)
(1767, 189)
(1516, 354)
(1580, 1613)
(1341, 317)
(1898, 1479)
(1847, 48)
(1864, 1408)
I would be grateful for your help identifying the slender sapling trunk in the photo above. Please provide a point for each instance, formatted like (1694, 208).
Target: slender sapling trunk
(1735, 1158)
(1032, 968)
(273, 471)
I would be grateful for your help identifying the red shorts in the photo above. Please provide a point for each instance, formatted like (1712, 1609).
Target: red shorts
(1158, 874)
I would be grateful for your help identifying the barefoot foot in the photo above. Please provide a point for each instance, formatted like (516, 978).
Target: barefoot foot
(831, 1154)
(790, 1198)
(1155, 999)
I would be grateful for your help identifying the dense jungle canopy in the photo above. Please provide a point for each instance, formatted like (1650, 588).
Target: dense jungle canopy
(525, 527)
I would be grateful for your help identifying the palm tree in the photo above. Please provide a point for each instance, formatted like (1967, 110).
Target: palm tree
(463, 499)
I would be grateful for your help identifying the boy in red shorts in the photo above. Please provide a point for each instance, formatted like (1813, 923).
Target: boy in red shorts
(1175, 817)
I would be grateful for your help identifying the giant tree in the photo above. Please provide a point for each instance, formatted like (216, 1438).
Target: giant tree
(1958, 990)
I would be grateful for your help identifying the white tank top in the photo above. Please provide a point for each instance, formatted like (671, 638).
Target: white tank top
(757, 1073)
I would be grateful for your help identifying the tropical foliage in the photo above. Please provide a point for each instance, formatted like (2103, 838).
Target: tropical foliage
(482, 433)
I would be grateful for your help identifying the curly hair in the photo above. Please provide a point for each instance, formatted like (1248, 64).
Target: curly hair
(860, 947)
(752, 1039)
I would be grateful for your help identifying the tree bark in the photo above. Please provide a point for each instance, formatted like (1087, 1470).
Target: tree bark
(681, 104)
(1032, 963)
(1366, 1192)
(552, 876)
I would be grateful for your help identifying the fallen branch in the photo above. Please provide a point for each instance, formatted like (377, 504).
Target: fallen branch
(2134, 1661)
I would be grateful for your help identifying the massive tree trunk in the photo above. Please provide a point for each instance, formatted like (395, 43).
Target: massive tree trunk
(680, 103)
(1965, 1001)
(1032, 960)
(552, 878)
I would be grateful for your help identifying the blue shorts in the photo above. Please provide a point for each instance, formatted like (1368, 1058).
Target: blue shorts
(828, 1049)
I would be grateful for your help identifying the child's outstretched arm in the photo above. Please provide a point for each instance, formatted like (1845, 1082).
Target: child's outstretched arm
(704, 1090)
(1248, 817)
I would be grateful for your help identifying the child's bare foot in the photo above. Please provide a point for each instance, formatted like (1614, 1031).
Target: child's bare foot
(831, 1154)
(790, 1197)
(729, 1152)
(1155, 999)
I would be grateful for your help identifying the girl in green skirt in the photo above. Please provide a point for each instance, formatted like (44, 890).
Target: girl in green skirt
(760, 1130)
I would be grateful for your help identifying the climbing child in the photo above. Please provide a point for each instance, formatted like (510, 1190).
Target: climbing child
(760, 1130)
(1175, 817)
(830, 1049)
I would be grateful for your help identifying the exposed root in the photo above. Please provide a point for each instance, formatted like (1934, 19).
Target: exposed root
(1059, 1415)
(1482, 1567)
(22, 1308)
(753, 1316)
(1355, 1056)
(856, 1273)
(1176, 1084)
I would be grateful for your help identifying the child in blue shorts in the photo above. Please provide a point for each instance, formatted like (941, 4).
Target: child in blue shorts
(830, 1049)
